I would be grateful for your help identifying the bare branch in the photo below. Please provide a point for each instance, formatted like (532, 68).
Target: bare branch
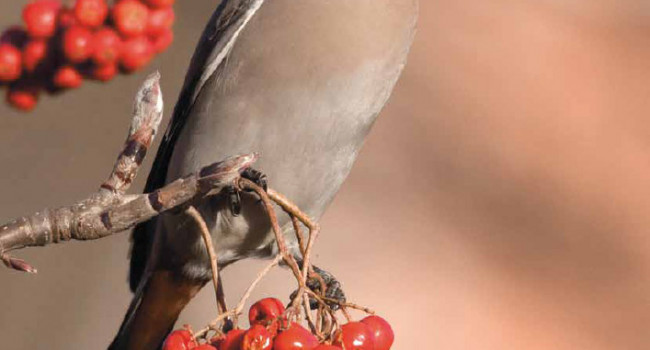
(147, 114)
(109, 210)
(104, 214)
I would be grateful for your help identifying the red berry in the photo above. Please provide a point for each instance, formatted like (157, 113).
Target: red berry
(179, 340)
(40, 17)
(257, 338)
(108, 46)
(160, 20)
(91, 13)
(10, 63)
(130, 17)
(15, 35)
(295, 338)
(66, 17)
(354, 336)
(77, 44)
(67, 77)
(217, 340)
(185, 335)
(327, 347)
(205, 347)
(104, 73)
(136, 53)
(34, 53)
(380, 331)
(23, 98)
(265, 311)
(159, 3)
(233, 340)
(162, 41)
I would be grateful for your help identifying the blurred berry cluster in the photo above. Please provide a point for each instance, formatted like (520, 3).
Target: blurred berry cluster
(59, 46)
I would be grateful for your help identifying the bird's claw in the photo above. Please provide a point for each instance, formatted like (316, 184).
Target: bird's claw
(258, 177)
(235, 200)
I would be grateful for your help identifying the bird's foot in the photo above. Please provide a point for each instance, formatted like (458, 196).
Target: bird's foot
(333, 290)
(258, 177)
(234, 199)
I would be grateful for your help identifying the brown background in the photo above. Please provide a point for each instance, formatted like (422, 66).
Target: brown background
(501, 202)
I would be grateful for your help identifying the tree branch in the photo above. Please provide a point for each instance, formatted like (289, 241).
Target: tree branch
(110, 210)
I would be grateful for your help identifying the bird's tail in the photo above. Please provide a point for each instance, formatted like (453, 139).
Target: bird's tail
(157, 302)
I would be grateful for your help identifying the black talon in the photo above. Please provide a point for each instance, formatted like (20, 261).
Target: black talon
(235, 201)
(234, 197)
(228, 325)
(258, 177)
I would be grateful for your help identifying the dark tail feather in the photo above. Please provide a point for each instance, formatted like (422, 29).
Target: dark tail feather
(141, 243)
(119, 342)
(157, 302)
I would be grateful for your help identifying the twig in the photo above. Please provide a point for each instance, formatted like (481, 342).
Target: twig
(221, 297)
(147, 114)
(346, 314)
(258, 279)
(279, 237)
(310, 320)
(313, 227)
(209, 246)
(109, 210)
(349, 305)
(242, 301)
(296, 228)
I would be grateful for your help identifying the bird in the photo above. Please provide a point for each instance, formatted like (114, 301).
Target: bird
(299, 82)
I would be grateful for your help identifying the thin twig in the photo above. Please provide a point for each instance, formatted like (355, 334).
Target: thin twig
(279, 237)
(310, 319)
(296, 228)
(242, 301)
(221, 297)
(209, 246)
(258, 279)
(346, 314)
(313, 227)
(349, 305)
(291, 208)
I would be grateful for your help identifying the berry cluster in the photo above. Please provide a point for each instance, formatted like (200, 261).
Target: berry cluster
(270, 330)
(59, 45)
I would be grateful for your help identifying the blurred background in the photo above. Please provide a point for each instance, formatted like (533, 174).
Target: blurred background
(501, 201)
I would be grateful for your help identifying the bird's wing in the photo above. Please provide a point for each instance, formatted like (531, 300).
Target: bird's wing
(219, 36)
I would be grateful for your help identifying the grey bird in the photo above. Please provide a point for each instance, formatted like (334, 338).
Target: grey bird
(299, 81)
